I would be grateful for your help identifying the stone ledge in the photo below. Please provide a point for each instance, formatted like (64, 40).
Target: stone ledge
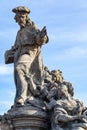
(26, 118)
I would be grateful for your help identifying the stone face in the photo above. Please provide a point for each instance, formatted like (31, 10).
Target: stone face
(44, 100)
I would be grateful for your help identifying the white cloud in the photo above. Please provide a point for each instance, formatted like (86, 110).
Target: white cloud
(8, 32)
(76, 35)
(75, 56)
(11, 94)
(77, 52)
(6, 103)
(81, 96)
(5, 70)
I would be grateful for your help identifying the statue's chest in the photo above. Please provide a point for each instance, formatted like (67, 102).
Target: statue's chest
(26, 36)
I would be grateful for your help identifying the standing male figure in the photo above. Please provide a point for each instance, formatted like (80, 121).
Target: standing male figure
(27, 57)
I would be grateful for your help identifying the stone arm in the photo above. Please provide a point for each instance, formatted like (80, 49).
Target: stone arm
(49, 95)
(9, 55)
(65, 117)
(51, 104)
(41, 37)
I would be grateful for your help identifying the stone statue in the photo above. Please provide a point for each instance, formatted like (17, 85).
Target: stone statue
(26, 55)
(44, 99)
(52, 80)
(66, 112)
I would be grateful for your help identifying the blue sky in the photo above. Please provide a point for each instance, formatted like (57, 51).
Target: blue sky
(66, 22)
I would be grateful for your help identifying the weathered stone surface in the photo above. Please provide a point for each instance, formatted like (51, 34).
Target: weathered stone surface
(26, 118)
(26, 56)
(44, 100)
(29, 117)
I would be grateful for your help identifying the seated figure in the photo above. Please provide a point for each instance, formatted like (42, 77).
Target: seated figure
(66, 113)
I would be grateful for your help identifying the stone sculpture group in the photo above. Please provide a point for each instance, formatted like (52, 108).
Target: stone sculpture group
(39, 91)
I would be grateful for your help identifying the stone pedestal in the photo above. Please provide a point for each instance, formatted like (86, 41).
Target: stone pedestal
(26, 118)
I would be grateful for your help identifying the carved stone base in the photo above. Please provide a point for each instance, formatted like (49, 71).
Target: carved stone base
(26, 118)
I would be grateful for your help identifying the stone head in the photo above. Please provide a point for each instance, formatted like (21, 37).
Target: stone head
(57, 76)
(62, 90)
(21, 15)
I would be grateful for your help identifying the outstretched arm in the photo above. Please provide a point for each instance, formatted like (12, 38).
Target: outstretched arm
(66, 118)
(41, 37)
